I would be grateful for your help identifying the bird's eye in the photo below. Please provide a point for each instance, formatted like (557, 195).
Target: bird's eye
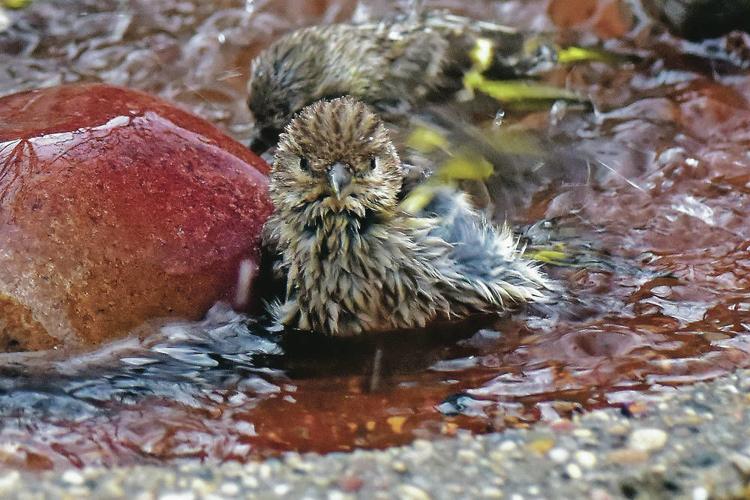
(304, 164)
(373, 163)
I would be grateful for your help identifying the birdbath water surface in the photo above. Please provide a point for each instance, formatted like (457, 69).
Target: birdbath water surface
(657, 209)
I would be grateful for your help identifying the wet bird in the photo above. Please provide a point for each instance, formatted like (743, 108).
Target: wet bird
(353, 261)
(393, 65)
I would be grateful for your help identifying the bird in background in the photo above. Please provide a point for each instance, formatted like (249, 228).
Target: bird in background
(354, 260)
(395, 65)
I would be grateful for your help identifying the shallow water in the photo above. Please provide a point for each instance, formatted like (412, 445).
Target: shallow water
(654, 211)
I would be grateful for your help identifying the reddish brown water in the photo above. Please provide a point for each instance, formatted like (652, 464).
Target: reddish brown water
(660, 295)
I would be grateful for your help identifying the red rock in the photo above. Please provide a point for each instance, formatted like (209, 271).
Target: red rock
(117, 208)
(571, 13)
(615, 20)
(606, 18)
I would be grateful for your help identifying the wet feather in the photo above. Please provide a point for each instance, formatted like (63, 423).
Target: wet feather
(368, 266)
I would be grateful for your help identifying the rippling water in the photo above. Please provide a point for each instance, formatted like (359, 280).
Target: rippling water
(655, 215)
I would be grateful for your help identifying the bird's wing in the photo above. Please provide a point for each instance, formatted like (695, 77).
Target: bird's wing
(416, 61)
(481, 252)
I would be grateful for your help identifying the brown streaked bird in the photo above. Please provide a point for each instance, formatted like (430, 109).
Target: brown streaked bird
(352, 260)
(393, 65)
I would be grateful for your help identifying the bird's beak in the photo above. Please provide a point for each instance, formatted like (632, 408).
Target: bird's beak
(340, 177)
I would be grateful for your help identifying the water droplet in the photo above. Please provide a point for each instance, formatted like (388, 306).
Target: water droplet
(499, 118)
(557, 112)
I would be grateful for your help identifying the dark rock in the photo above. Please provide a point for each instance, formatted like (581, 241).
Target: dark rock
(701, 19)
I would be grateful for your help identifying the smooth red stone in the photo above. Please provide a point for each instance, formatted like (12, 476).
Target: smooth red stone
(605, 18)
(117, 208)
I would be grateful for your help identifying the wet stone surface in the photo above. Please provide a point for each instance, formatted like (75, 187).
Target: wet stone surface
(117, 208)
(657, 294)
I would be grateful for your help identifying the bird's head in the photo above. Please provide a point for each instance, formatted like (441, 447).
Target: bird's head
(335, 157)
(284, 78)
